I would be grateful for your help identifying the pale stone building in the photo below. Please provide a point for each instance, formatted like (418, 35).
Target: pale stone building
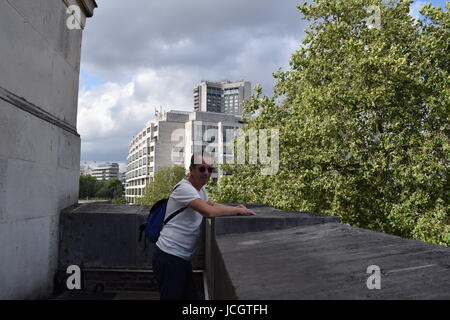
(170, 139)
(105, 171)
(85, 169)
(39, 142)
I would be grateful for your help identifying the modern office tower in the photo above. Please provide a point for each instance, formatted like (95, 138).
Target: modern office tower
(105, 171)
(170, 139)
(221, 97)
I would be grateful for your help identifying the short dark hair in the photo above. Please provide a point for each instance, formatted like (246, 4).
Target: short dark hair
(199, 155)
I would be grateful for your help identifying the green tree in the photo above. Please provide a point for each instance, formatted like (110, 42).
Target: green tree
(108, 189)
(102, 189)
(120, 200)
(115, 188)
(87, 186)
(165, 179)
(363, 116)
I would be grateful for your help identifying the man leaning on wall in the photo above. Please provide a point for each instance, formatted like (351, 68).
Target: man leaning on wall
(178, 239)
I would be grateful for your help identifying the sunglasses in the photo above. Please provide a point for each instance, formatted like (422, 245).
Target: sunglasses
(202, 169)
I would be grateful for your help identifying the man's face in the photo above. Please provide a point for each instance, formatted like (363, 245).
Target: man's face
(201, 172)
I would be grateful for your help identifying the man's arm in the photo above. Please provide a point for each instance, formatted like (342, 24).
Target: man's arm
(216, 204)
(211, 210)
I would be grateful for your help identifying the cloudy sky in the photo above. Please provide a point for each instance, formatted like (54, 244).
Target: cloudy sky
(138, 55)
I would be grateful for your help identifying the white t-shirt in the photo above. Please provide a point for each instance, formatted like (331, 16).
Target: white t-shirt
(180, 235)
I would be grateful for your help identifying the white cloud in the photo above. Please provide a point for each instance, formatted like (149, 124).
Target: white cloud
(110, 114)
(154, 52)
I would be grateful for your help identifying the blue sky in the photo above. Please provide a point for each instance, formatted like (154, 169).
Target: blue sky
(139, 55)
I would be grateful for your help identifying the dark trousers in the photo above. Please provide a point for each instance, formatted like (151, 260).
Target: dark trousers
(174, 276)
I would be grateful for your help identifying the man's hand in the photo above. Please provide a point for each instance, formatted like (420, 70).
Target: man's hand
(245, 211)
(211, 210)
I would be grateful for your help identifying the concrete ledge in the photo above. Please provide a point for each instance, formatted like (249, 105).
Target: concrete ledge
(329, 261)
(268, 218)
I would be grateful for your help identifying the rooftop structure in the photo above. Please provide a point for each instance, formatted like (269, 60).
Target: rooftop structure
(221, 97)
(105, 171)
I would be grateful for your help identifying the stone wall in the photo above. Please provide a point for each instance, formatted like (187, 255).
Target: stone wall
(39, 143)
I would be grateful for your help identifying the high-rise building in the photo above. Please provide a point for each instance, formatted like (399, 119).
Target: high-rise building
(170, 139)
(221, 97)
(105, 171)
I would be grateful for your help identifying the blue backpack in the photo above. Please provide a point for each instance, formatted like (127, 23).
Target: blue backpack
(155, 220)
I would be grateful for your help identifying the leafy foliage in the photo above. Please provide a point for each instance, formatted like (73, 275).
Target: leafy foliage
(165, 179)
(363, 116)
(120, 200)
(108, 189)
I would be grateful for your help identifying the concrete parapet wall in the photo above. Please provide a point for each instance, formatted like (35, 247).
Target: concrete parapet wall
(273, 255)
(222, 283)
(268, 219)
(105, 236)
(328, 261)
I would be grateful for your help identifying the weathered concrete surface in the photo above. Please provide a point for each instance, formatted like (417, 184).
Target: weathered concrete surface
(102, 239)
(106, 236)
(39, 145)
(329, 261)
(274, 255)
(268, 218)
(117, 280)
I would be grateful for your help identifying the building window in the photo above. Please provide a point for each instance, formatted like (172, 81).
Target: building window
(228, 133)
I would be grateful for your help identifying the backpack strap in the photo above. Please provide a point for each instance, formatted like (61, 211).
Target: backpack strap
(173, 215)
(174, 188)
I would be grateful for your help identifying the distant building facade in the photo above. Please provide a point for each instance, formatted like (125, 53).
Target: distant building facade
(170, 139)
(221, 97)
(105, 171)
(85, 169)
